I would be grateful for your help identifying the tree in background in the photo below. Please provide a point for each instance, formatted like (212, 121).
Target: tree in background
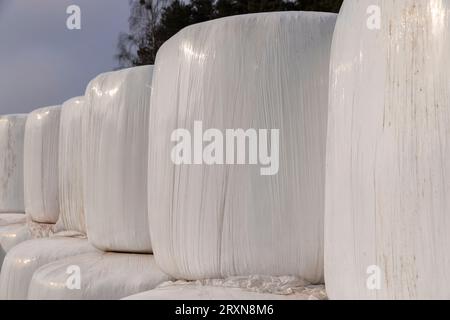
(152, 22)
(140, 44)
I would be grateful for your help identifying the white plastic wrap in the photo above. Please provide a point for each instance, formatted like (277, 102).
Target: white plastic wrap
(71, 216)
(13, 230)
(24, 259)
(12, 129)
(12, 218)
(103, 276)
(40, 230)
(254, 288)
(41, 164)
(115, 142)
(10, 236)
(259, 71)
(387, 204)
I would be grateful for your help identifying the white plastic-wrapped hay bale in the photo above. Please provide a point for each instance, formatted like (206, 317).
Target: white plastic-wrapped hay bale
(71, 202)
(41, 164)
(387, 226)
(24, 259)
(12, 129)
(104, 276)
(115, 142)
(262, 72)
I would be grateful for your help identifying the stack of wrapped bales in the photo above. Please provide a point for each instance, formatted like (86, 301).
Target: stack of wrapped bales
(387, 204)
(225, 175)
(265, 72)
(53, 195)
(114, 158)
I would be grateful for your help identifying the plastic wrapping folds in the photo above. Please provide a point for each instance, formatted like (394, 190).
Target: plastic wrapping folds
(115, 142)
(253, 72)
(70, 168)
(41, 165)
(387, 226)
(12, 129)
(252, 288)
(103, 276)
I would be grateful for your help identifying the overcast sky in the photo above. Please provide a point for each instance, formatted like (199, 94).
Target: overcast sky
(42, 63)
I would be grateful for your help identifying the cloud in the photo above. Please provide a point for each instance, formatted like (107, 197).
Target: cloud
(42, 62)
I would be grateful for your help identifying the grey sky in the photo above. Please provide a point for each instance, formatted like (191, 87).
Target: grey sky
(43, 63)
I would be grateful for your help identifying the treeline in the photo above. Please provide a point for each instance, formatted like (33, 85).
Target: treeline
(152, 22)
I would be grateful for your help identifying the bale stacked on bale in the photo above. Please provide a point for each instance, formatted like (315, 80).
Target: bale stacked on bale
(67, 237)
(387, 188)
(115, 144)
(40, 177)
